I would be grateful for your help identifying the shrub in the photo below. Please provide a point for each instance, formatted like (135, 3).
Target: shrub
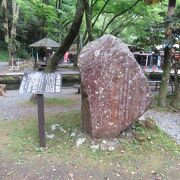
(23, 53)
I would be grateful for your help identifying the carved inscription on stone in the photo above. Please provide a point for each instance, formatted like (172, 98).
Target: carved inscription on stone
(40, 83)
(115, 91)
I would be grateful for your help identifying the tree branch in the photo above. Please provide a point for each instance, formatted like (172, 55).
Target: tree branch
(100, 12)
(88, 20)
(126, 19)
(127, 23)
(73, 32)
(119, 14)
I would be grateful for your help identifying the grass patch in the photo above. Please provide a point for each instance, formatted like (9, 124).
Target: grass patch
(20, 139)
(50, 101)
(59, 101)
(3, 56)
(168, 107)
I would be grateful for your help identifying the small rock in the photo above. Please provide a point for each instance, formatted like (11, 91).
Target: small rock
(111, 148)
(57, 126)
(150, 123)
(50, 136)
(63, 130)
(109, 144)
(132, 173)
(54, 126)
(153, 172)
(142, 118)
(95, 147)
(80, 141)
(73, 134)
(71, 175)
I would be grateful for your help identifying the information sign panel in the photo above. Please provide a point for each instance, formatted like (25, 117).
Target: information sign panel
(41, 83)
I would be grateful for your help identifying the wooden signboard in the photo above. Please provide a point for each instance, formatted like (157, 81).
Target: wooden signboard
(40, 83)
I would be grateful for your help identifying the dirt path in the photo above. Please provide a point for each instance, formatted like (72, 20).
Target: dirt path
(47, 168)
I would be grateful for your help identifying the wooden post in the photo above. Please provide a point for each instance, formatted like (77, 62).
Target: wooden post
(41, 119)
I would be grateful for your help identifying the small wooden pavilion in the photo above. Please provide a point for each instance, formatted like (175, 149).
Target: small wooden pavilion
(44, 49)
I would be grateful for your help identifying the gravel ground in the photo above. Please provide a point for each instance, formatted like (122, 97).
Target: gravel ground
(169, 122)
(13, 107)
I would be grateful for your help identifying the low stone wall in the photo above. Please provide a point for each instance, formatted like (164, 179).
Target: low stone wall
(11, 82)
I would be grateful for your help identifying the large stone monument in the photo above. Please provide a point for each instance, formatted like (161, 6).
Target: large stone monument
(115, 91)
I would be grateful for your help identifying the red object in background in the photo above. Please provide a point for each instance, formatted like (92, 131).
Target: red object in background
(154, 68)
(66, 57)
(177, 57)
(145, 68)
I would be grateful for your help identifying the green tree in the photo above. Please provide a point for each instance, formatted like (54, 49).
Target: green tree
(73, 32)
(169, 41)
(176, 32)
(10, 33)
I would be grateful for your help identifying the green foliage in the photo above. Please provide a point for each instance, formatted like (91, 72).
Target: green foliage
(133, 24)
(3, 55)
(23, 54)
(50, 20)
(168, 107)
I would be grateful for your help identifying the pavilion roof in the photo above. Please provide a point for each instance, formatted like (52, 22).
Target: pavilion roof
(46, 42)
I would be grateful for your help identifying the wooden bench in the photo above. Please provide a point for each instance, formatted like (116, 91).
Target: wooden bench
(157, 83)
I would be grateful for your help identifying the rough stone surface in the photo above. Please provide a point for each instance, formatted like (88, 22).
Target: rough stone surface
(114, 89)
(2, 89)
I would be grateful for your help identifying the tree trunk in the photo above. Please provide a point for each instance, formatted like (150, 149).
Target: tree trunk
(167, 55)
(73, 32)
(79, 46)
(88, 20)
(5, 21)
(12, 42)
(165, 78)
(176, 99)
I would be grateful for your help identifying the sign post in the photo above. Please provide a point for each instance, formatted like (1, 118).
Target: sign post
(40, 83)
(41, 119)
